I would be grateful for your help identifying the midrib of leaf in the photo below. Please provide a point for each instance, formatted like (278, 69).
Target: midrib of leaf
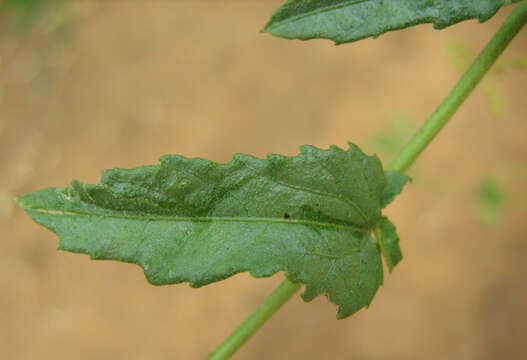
(149, 217)
(318, 11)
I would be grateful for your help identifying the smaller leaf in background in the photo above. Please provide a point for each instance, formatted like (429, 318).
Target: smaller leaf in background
(389, 242)
(350, 20)
(495, 97)
(460, 56)
(490, 202)
(510, 64)
(25, 12)
(50, 17)
(391, 136)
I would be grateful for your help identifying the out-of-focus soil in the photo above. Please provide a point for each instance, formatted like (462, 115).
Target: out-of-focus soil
(128, 81)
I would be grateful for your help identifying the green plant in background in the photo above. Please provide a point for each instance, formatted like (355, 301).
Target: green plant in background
(392, 136)
(55, 16)
(316, 216)
(490, 200)
(25, 11)
(460, 55)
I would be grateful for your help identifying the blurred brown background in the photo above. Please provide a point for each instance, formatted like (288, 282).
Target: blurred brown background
(92, 85)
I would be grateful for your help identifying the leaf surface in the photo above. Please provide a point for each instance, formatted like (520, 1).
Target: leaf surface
(350, 20)
(194, 220)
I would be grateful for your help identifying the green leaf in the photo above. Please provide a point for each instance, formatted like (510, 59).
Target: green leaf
(25, 12)
(194, 220)
(395, 182)
(350, 20)
(490, 203)
(389, 242)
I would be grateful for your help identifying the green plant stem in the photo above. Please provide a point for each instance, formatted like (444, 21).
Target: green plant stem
(404, 159)
(462, 89)
(271, 305)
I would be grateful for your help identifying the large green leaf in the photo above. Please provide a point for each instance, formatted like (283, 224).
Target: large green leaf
(350, 20)
(197, 221)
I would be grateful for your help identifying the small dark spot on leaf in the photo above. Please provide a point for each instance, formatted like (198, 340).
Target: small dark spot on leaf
(287, 216)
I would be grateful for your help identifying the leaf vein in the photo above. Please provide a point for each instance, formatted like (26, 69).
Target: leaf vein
(314, 224)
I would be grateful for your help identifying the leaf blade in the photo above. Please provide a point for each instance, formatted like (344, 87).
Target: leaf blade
(190, 220)
(345, 21)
